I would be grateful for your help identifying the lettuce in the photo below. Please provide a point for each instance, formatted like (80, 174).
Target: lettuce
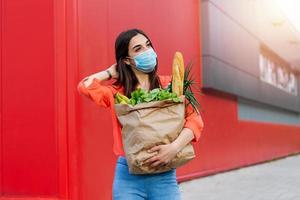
(158, 94)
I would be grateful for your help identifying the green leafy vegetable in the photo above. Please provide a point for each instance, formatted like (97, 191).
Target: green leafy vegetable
(157, 94)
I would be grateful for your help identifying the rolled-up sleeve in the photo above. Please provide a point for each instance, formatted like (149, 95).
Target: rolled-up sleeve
(96, 91)
(193, 121)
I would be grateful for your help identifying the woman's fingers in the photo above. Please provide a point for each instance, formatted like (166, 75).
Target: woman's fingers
(156, 163)
(159, 162)
(150, 160)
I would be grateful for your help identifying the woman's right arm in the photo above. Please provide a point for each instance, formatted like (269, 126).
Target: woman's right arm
(91, 86)
(101, 76)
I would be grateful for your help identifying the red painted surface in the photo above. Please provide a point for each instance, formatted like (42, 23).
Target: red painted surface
(56, 144)
(228, 143)
(29, 159)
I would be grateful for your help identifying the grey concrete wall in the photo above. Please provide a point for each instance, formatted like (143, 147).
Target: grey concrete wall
(231, 61)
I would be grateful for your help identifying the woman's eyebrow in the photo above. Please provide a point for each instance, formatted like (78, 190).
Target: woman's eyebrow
(140, 44)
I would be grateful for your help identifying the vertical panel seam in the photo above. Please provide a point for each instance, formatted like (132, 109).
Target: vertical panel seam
(1, 95)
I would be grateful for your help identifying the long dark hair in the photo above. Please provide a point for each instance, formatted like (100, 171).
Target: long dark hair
(127, 77)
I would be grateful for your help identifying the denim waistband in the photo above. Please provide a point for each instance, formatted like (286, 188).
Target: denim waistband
(122, 160)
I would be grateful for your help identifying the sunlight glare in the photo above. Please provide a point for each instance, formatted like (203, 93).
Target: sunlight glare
(291, 10)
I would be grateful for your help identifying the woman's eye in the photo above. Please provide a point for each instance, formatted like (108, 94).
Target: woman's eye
(139, 48)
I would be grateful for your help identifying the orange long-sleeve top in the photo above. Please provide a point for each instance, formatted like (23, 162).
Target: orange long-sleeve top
(103, 95)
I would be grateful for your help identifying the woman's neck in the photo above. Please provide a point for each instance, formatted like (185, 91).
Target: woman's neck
(143, 79)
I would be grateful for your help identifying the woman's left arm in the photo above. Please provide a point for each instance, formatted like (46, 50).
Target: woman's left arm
(191, 132)
(183, 139)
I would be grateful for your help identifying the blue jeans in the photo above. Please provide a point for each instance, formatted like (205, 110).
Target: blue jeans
(126, 186)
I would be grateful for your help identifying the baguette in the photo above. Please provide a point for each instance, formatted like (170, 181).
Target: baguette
(178, 74)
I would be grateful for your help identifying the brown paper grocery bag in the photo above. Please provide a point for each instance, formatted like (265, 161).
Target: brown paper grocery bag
(149, 124)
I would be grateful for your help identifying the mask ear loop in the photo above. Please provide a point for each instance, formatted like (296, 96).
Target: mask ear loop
(130, 63)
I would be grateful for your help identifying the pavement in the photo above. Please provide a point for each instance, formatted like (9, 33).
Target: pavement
(273, 180)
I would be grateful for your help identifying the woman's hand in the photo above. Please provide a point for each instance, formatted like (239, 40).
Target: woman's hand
(113, 71)
(165, 154)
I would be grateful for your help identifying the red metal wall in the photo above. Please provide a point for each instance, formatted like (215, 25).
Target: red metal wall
(29, 157)
(57, 144)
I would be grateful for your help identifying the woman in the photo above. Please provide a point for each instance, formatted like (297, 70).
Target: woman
(136, 67)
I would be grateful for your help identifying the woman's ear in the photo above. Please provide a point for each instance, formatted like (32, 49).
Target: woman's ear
(126, 61)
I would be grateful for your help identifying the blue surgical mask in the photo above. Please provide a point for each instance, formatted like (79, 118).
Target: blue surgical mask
(145, 61)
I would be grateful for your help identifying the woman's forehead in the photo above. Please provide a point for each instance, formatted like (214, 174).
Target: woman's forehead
(139, 39)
